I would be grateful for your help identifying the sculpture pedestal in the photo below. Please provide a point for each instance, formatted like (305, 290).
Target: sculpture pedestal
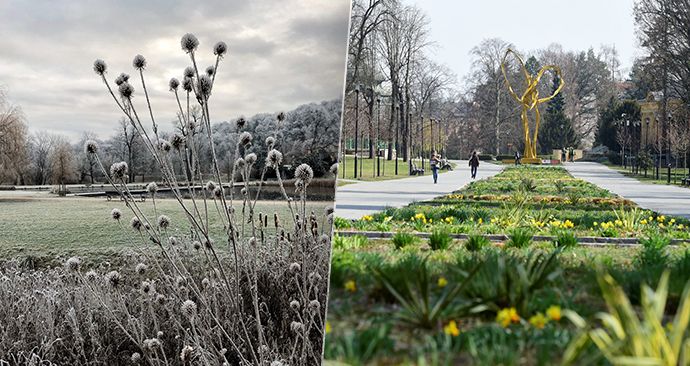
(530, 161)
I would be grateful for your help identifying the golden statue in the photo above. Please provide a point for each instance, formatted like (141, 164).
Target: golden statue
(530, 101)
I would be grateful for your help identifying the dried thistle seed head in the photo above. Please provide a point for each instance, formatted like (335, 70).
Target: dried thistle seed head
(147, 287)
(252, 241)
(250, 158)
(100, 67)
(152, 344)
(205, 283)
(277, 363)
(73, 264)
(136, 357)
(231, 210)
(160, 298)
(220, 48)
(295, 267)
(218, 192)
(280, 117)
(189, 43)
(270, 141)
(122, 78)
(164, 146)
(126, 90)
(189, 309)
(204, 86)
(163, 221)
(305, 173)
(147, 226)
(299, 186)
(245, 139)
(141, 268)
(297, 327)
(243, 191)
(113, 278)
(188, 72)
(159, 334)
(91, 276)
(210, 70)
(240, 122)
(90, 147)
(173, 84)
(135, 223)
(191, 125)
(196, 245)
(334, 169)
(208, 243)
(314, 305)
(314, 278)
(119, 170)
(116, 214)
(274, 158)
(177, 141)
(187, 84)
(210, 186)
(152, 188)
(172, 240)
(139, 62)
(180, 281)
(187, 354)
(240, 163)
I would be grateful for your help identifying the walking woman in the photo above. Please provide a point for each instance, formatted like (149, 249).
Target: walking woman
(434, 161)
(474, 164)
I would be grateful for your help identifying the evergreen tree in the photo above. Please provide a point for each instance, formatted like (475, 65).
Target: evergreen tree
(612, 114)
(556, 130)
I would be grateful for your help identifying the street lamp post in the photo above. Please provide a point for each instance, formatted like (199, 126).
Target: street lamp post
(421, 148)
(378, 136)
(356, 128)
(669, 122)
(408, 147)
(397, 136)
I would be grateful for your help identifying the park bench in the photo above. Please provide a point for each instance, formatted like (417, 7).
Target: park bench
(416, 170)
(685, 181)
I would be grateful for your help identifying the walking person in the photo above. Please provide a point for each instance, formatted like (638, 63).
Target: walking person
(517, 158)
(434, 161)
(474, 164)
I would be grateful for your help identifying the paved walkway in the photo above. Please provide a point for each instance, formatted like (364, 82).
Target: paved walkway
(669, 200)
(356, 200)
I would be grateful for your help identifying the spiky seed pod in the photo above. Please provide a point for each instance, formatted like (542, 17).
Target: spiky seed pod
(100, 67)
(188, 72)
(163, 221)
(325, 240)
(295, 267)
(204, 86)
(314, 305)
(218, 192)
(210, 70)
(136, 357)
(240, 122)
(152, 188)
(122, 78)
(164, 146)
(187, 84)
(245, 139)
(189, 309)
(119, 170)
(191, 126)
(334, 169)
(205, 283)
(250, 158)
(147, 226)
(91, 276)
(231, 210)
(252, 242)
(210, 186)
(305, 173)
(139, 62)
(159, 334)
(274, 158)
(270, 141)
(141, 268)
(135, 223)
(152, 344)
(147, 287)
(294, 305)
(220, 48)
(73, 264)
(208, 243)
(116, 214)
(161, 299)
(90, 147)
(189, 43)
(172, 240)
(243, 191)
(280, 117)
(240, 163)
(180, 281)
(187, 354)
(297, 327)
(196, 245)
(277, 363)
(113, 278)
(299, 186)
(173, 84)
(126, 90)
(314, 278)
(177, 142)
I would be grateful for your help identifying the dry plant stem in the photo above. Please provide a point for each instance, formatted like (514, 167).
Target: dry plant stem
(148, 103)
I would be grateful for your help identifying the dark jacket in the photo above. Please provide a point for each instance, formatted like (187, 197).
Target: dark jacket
(474, 161)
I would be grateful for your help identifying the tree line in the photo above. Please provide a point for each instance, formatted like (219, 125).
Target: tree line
(307, 134)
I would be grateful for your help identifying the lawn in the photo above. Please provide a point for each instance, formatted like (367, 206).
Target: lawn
(677, 175)
(63, 227)
(387, 169)
(408, 300)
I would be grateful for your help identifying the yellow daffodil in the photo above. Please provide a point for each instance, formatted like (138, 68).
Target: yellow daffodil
(554, 312)
(507, 316)
(480, 221)
(442, 282)
(661, 225)
(538, 320)
(328, 328)
(681, 227)
(643, 222)
(595, 224)
(350, 286)
(673, 221)
(451, 329)
(661, 218)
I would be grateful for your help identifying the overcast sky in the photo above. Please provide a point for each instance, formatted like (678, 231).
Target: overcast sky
(282, 53)
(457, 26)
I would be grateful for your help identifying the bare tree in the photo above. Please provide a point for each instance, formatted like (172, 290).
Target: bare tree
(40, 148)
(62, 169)
(13, 137)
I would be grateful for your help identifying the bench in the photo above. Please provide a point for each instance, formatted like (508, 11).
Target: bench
(416, 170)
(685, 181)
